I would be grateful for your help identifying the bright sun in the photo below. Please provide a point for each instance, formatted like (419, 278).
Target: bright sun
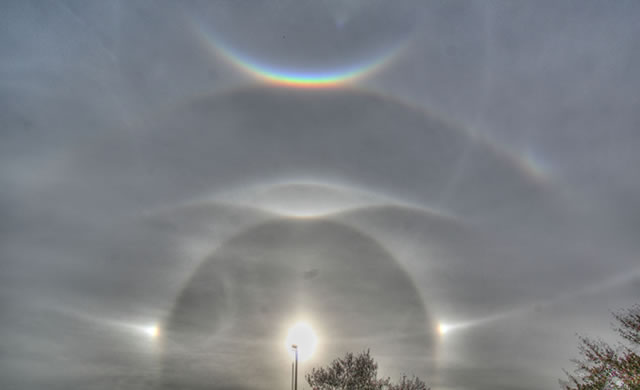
(302, 335)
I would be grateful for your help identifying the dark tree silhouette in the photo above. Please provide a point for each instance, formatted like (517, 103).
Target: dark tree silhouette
(358, 372)
(610, 367)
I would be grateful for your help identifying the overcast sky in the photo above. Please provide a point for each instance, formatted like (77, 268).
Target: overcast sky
(167, 212)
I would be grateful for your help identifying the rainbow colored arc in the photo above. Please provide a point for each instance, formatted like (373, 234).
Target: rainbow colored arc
(296, 78)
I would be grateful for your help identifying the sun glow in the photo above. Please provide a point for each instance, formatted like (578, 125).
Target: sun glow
(443, 328)
(302, 335)
(152, 331)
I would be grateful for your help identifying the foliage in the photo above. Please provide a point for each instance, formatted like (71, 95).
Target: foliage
(606, 367)
(358, 372)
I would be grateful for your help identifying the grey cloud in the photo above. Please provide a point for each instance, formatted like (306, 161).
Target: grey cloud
(490, 164)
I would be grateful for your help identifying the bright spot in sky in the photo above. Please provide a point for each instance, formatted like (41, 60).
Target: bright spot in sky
(443, 328)
(152, 331)
(302, 335)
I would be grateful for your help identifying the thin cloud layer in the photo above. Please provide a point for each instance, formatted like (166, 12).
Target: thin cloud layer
(166, 216)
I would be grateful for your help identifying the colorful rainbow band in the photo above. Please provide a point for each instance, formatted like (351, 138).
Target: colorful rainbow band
(292, 78)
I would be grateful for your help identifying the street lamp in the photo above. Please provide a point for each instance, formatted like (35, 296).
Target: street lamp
(294, 371)
(302, 341)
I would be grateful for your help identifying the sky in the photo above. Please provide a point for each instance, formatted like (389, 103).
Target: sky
(181, 182)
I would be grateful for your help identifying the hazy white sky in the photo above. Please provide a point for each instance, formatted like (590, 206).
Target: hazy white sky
(176, 165)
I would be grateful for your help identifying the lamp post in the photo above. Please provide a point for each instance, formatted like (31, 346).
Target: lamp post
(302, 341)
(295, 370)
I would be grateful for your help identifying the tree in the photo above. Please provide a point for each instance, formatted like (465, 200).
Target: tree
(358, 372)
(606, 367)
